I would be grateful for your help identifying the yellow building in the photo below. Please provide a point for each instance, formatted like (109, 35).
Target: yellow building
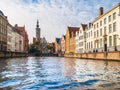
(70, 39)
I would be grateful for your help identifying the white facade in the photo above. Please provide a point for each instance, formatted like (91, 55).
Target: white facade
(18, 42)
(107, 30)
(89, 36)
(9, 37)
(14, 40)
(80, 39)
(103, 34)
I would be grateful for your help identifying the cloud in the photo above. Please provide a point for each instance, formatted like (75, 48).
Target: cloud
(54, 15)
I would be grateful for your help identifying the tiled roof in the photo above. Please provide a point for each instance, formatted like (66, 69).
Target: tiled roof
(57, 40)
(21, 28)
(84, 26)
(73, 30)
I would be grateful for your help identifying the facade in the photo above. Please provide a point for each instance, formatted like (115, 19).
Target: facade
(3, 32)
(17, 41)
(57, 45)
(70, 39)
(102, 34)
(14, 39)
(38, 31)
(62, 42)
(9, 37)
(107, 30)
(81, 39)
(25, 36)
(43, 45)
(89, 36)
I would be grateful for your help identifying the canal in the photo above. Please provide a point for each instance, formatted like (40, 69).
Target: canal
(56, 73)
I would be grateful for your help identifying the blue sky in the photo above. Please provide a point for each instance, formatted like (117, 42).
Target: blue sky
(53, 15)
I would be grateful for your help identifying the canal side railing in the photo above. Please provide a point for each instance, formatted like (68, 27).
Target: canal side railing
(115, 55)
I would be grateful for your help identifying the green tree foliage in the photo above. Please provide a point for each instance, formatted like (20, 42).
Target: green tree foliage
(33, 49)
(49, 47)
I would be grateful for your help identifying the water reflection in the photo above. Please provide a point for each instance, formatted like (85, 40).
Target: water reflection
(48, 73)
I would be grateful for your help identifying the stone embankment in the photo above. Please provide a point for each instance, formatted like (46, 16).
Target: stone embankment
(13, 54)
(99, 55)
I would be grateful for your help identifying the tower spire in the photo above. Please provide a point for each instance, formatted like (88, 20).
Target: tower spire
(37, 23)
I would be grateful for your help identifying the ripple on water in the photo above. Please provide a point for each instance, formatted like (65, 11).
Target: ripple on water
(9, 83)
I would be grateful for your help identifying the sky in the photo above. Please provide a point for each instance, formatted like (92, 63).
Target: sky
(54, 15)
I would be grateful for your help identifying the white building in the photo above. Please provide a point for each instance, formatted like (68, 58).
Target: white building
(103, 34)
(9, 37)
(18, 41)
(14, 39)
(89, 36)
(80, 39)
(107, 30)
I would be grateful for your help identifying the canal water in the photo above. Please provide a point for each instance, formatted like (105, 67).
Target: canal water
(56, 73)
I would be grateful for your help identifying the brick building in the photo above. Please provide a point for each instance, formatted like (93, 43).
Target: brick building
(3, 31)
(23, 32)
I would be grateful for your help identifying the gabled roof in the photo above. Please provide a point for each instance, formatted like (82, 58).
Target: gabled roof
(83, 26)
(1, 13)
(73, 30)
(57, 40)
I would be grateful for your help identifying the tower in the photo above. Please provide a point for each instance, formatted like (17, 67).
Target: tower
(38, 31)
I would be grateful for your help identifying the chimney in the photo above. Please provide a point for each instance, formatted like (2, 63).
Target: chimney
(16, 25)
(100, 11)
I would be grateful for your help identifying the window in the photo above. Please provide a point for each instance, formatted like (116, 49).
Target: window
(97, 33)
(115, 40)
(110, 41)
(97, 25)
(101, 32)
(94, 26)
(91, 33)
(94, 34)
(100, 23)
(98, 44)
(114, 15)
(91, 45)
(105, 33)
(101, 42)
(104, 20)
(114, 26)
(95, 44)
(109, 18)
(110, 28)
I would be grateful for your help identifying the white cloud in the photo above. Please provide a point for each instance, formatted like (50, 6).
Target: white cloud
(54, 16)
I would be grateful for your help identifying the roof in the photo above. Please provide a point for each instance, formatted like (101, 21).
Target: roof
(21, 28)
(84, 26)
(57, 40)
(118, 5)
(63, 36)
(73, 30)
(1, 13)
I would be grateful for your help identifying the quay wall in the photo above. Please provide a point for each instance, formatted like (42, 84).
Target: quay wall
(12, 54)
(98, 55)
